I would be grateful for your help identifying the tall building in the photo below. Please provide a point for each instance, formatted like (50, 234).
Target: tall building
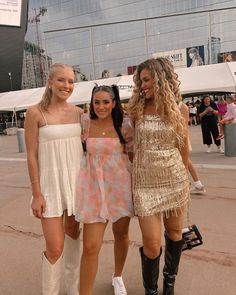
(112, 36)
(116, 35)
(13, 25)
(35, 66)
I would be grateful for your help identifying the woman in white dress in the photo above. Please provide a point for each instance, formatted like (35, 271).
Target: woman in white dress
(54, 149)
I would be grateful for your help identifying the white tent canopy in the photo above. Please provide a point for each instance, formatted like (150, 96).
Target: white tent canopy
(196, 80)
(208, 79)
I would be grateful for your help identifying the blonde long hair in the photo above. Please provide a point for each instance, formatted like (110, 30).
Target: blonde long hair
(47, 96)
(166, 94)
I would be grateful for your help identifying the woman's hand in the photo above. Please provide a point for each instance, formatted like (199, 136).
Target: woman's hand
(209, 110)
(38, 206)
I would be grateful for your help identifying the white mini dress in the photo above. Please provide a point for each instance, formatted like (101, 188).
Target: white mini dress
(59, 156)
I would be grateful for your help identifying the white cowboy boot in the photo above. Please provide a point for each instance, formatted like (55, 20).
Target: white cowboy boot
(72, 262)
(51, 276)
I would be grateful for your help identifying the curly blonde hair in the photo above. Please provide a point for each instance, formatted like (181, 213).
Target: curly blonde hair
(46, 98)
(166, 94)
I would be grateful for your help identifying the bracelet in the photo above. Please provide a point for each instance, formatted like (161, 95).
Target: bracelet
(34, 181)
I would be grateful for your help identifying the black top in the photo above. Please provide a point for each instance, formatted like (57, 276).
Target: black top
(208, 116)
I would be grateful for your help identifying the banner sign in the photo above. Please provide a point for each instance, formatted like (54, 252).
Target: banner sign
(195, 56)
(177, 57)
(10, 12)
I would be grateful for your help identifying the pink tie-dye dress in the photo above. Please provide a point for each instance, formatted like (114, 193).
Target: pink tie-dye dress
(104, 181)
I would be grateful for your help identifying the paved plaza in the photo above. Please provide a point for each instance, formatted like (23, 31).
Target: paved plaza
(206, 270)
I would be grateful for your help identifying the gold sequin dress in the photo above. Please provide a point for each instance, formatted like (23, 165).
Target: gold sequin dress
(160, 179)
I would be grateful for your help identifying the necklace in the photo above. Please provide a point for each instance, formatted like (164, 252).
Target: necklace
(106, 131)
(102, 130)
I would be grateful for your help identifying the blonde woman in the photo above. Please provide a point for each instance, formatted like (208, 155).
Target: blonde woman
(160, 178)
(52, 135)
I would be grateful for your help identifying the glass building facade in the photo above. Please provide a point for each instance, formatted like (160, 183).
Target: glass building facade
(114, 35)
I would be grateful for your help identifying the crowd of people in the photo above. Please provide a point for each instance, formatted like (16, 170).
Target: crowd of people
(212, 115)
(8, 120)
(88, 168)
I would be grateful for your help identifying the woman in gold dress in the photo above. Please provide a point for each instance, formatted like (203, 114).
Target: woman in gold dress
(160, 178)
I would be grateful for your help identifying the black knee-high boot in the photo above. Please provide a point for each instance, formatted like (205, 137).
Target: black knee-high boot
(150, 271)
(173, 252)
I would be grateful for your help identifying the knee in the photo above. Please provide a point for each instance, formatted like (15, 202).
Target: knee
(120, 234)
(152, 248)
(53, 253)
(174, 234)
(91, 248)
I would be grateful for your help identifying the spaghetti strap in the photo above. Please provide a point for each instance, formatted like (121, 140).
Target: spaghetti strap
(46, 123)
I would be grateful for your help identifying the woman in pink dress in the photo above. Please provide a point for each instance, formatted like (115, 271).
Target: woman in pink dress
(104, 185)
(228, 117)
(222, 107)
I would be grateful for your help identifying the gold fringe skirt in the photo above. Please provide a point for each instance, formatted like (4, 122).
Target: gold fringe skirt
(160, 183)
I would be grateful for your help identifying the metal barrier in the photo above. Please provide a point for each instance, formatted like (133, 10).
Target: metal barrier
(230, 139)
(21, 140)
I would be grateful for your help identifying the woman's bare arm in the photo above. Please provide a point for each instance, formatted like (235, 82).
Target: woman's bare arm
(31, 140)
(184, 151)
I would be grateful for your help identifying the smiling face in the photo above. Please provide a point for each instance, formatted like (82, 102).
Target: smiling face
(62, 83)
(103, 104)
(147, 82)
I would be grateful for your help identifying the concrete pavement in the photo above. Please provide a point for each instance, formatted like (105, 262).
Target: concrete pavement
(206, 270)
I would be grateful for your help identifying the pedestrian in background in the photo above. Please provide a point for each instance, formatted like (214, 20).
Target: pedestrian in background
(198, 187)
(228, 117)
(208, 113)
(193, 114)
(222, 107)
(160, 178)
(54, 149)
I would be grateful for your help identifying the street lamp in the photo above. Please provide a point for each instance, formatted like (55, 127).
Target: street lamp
(10, 78)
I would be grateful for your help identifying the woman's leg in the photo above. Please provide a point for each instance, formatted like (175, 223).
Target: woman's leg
(192, 171)
(72, 227)
(206, 133)
(92, 240)
(150, 252)
(52, 259)
(198, 187)
(121, 245)
(173, 249)
(71, 255)
(215, 132)
(151, 233)
(221, 128)
(53, 231)
(191, 120)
